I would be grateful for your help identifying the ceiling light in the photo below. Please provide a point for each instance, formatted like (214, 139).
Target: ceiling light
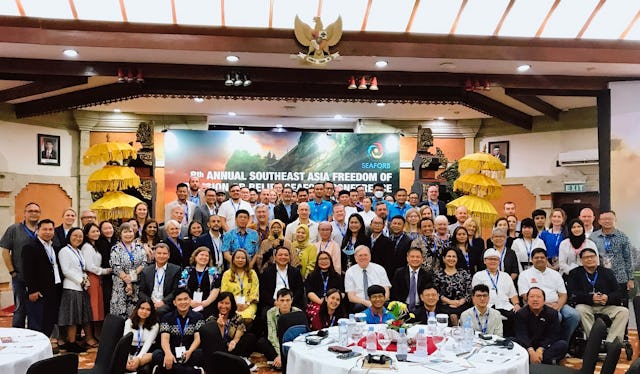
(337, 116)
(380, 104)
(231, 114)
(279, 125)
(116, 110)
(523, 68)
(440, 118)
(198, 100)
(232, 58)
(381, 64)
(70, 53)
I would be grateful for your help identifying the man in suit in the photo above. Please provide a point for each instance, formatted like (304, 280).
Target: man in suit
(43, 279)
(182, 200)
(409, 280)
(286, 211)
(159, 281)
(381, 247)
(49, 153)
(213, 240)
(278, 276)
(438, 207)
(207, 209)
(401, 241)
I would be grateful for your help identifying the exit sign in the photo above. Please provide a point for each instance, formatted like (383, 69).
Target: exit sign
(574, 187)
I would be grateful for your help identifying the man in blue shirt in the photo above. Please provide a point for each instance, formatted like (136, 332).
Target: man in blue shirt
(240, 237)
(399, 208)
(320, 209)
(377, 313)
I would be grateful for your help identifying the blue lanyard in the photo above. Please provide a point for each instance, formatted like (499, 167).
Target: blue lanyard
(31, 234)
(284, 281)
(139, 339)
(234, 206)
(159, 281)
(239, 278)
(242, 239)
(130, 253)
(325, 247)
(348, 250)
(180, 329)
(466, 258)
(486, 320)
(332, 321)
(373, 241)
(528, 249)
(343, 232)
(607, 243)
(398, 240)
(226, 329)
(325, 282)
(200, 276)
(175, 242)
(592, 282)
(77, 254)
(495, 283)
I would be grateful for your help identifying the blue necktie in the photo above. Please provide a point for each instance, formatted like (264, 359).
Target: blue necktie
(412, 291)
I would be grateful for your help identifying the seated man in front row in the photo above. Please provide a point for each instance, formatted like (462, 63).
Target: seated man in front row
(483, 319)
(377, 313)
(360, 276)
(430, 303)
(595, 290)
(270, 347)
(538, 330)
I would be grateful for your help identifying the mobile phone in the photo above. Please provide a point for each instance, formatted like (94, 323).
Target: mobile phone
(346, 356)
(486, 336)
(339, 349)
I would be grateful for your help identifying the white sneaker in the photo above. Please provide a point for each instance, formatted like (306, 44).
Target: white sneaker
(251, 365)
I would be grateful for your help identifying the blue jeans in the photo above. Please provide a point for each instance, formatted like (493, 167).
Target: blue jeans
(20, 302)
(570, 320)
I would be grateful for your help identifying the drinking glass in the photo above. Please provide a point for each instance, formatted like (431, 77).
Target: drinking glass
(384, 340)
(442, 321)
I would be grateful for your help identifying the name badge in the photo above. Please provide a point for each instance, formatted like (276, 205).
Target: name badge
(180, 351)
(133, 275)
(240, 299)
(156, 296)
(197, 296)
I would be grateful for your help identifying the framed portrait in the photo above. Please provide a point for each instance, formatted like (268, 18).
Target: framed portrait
(500, 150)
(48, 150)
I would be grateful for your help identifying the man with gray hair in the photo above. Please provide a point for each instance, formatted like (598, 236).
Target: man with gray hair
(441, 232)
(338, 224)
(360, 276)
(304, 212)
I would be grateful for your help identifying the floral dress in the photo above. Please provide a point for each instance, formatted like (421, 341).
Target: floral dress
(125, 260)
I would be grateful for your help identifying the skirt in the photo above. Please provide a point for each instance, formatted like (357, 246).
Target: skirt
(96, 297)
(75, 308)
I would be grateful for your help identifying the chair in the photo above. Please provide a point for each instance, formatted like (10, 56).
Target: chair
(112, 330)
(67, 363)
(635, 367)
(121, 355)
(589, 359)
(290, 326)
(208, 336)
(613, 355)
(228, 363)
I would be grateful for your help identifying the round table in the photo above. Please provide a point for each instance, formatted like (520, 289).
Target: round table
(316, 359)
(19, 348)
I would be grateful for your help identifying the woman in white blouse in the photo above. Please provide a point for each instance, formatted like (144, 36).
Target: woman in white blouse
(367, 214)
(75, 307)
(93, 260)
(527, 242)
(570, 248)
(144, 326)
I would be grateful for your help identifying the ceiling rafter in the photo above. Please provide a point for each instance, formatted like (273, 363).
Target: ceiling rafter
(72, 7)
(174, 14)
(416, 5)
(590, 19)
(365, 18)
(539, 105)
(505, 14)
(547, 17)
(549, 92)
(454, 26)
(630, 26)
(123, 11)
(39, 87)
(497, 109)
(20, 8)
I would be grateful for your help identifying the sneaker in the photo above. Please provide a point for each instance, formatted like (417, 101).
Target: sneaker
(200, 370)
(251, 365)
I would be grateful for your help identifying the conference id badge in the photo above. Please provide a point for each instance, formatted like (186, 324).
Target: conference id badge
(133, 275)
(240, 299)
(607, 262)
(197, 296)
(180, 351)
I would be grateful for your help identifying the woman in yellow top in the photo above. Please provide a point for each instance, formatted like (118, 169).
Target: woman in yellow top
(243, 283)
(305, 251)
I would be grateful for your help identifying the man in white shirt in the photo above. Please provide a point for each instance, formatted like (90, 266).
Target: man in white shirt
(551, 282)
(228, 209)
(304, 212)
(182, 194)
(502, 291)
(360, 276)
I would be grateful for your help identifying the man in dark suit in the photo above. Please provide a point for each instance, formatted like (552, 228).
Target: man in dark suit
(49, 153)
(159, 281)
(281, 275)
(381, 247)
(43, 279)
(438, 207)
(286, 211)
(207, 209)
(212, 239)
(401, 241)
(402, 284)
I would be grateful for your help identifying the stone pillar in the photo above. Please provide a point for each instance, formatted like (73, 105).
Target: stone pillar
(86, 122)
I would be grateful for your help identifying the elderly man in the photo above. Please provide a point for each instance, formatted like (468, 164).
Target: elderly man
(587, 217)
(461, 216)
(303, 218)
(176, 214)
(359, 277)
(595, 289)
(228, 209)
(338, 224)
(261, 223)
(538, 329)
(551, 282)
(87, 217)
(325, 243)
(182, 195)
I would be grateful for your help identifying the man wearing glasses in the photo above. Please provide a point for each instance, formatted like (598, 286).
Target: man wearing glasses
(483, 319)
(86, 217)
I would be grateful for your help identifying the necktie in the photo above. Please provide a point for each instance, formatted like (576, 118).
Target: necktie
(365, 283)
(412, 291)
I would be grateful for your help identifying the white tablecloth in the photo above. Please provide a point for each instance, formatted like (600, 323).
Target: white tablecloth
(309, 359)
(19, 348)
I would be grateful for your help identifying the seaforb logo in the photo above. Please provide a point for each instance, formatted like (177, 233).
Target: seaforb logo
(375, 151)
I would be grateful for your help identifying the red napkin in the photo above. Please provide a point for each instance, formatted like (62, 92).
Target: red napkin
(393, 347)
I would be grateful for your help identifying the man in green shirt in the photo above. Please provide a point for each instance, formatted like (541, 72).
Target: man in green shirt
(271, 346)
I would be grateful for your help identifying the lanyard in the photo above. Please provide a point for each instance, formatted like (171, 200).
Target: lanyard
(486, 320)
(325, 247)
(160, 280)
(139, 339)
(332, 321)
(175, 242)
(235, 208)
(501, 263)
(607, 243)
(325, 282)
(77, 254)
(528, 249)
(51, 255)
(241, 282)
(227, 325)
(373, 314)
(373, 241)
(348, 250)
(180, 329)
(216, 250)
(263, 234)
(495, 283)
(241, 239)
(398, 240)
(283, 279)
(31, 234)
(593, 281)
(340, 228)
(466, 258)
(130, 252)
(200, 276)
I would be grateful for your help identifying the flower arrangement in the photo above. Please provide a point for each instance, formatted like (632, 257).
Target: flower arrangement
(401, 316)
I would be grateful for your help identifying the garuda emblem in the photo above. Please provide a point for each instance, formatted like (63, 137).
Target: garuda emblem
(318, 39)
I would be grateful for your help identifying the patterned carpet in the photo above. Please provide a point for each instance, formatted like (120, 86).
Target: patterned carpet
(87, 359)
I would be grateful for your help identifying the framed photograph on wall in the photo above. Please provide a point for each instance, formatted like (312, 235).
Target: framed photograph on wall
(48, 150)
(500, 150)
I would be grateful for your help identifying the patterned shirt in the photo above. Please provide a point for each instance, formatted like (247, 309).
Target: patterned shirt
(189, 326)
(617, 247)
(234, 240)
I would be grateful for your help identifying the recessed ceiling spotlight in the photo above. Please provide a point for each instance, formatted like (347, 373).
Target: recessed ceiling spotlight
(440, 118)
(70, 53)
(232, 58)
(447, 65)
(380, 104)
(279, 125)
(523, 68)
(381, 64)
(117, 110)
(198, 100)
(231, 114)
(337, 116)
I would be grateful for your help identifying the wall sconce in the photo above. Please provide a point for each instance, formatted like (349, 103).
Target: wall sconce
(477, 85)
(363, 83)
(130, 77)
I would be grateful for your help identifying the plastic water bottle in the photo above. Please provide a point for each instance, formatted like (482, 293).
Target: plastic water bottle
(372, 342)
(421, 344)
(432, 324)
(343, 334)
(403, 346)
(351, 329)
(468, 335)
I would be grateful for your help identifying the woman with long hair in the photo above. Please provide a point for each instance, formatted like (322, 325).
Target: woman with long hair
(356, 235)
(275, 239)
(570, 248)
(330, 311)
(203, 281)
(143, 323)
(127, 261)
(476, 244)
(527, 242)
(304, 250)
(149, 238)
(141, 215)
(93, 260)
(75, 305)
(321, 279)
(194, 231)
(552, 237)
(454, 286)
(107, 240)
(460, 242)
(426, 212)
(411, 225)
(512, 232)
(243, 283)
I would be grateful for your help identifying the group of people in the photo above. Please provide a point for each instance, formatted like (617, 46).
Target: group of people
(217, 273)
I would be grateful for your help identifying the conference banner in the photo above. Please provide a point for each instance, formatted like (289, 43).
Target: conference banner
(298, 159)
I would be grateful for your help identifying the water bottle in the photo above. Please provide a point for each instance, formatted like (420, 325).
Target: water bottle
(468, 335)
(432, 324)
(351, 329)
(343, 334)
(421, 344)
(372, 342)
(403, 346)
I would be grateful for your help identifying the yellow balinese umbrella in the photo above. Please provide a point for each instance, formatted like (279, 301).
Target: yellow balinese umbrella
(112, 178)
(109, 151)
(480, 161)
(477, 207)
(479, 185)
(114, 205)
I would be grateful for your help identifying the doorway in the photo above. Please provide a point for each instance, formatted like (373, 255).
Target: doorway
(573, 202)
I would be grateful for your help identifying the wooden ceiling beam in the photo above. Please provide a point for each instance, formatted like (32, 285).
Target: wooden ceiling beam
(39, 87)
(497, 109)
(551, 92)
(539, 105)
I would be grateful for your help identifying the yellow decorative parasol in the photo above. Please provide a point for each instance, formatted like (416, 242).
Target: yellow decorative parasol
(479, 185)
(112, 178)
(109, 151)
(480, 161)
(114, 205)
(477, 207)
